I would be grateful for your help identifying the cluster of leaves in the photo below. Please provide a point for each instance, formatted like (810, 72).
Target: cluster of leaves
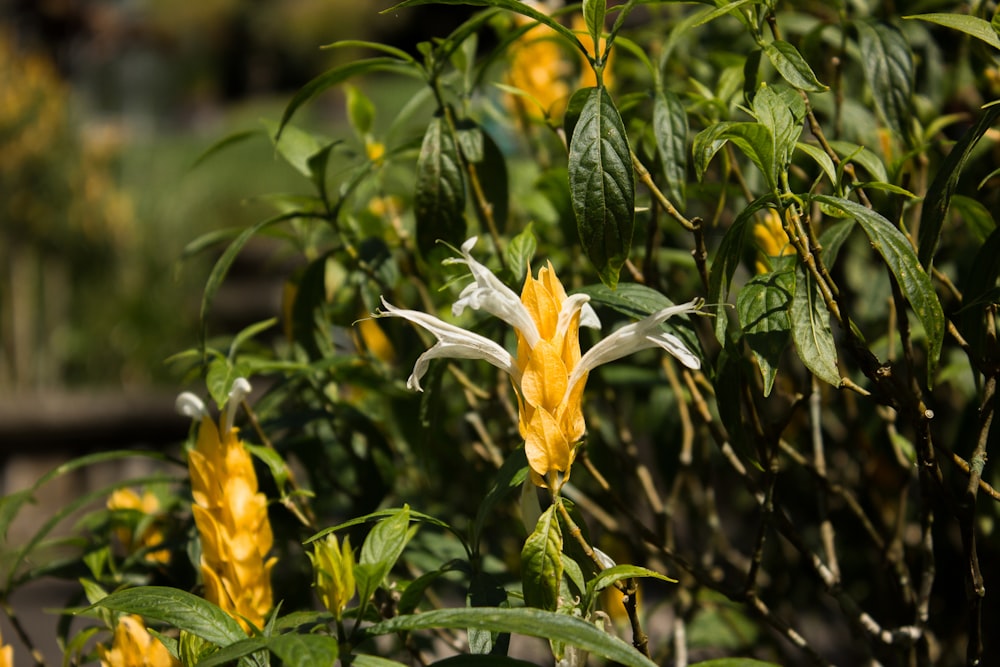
(819, 489)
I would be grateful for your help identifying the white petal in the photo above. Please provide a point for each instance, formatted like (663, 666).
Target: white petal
(489, 293)
(589, 318)
(190, 406)
(453, 342)
(240, 390)
(575, 303)
(631, 338)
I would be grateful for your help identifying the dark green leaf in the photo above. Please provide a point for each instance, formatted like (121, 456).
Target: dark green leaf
(902, 261)
(727, 258)
(792, 67)
(970, 25)
(178, 608)
(811, 332)
(753, 139)
(670, 127)
(602, 185)
(975, 215)
(771, 111)
(943, 186)
(531, 622)
(979, 291)
(762, 306)
(541, 562)
(888, 65)
(439, 202)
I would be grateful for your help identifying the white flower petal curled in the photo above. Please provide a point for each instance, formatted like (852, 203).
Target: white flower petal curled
(453, 342)
(190, 406)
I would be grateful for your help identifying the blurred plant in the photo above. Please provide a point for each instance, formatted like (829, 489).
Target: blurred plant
(140, 528)
(133, 646)
(814, 471)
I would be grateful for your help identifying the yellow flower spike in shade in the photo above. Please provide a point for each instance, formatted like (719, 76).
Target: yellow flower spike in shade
(133, 646)
(548, 373)
(133, 538)
(230, 513)
(771, 240)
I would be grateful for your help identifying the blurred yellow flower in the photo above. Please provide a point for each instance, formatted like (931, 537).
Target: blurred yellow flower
(541, 65)
(231, 515)
(147, 533)
(6, 654)
(548, 373)
(133, 646)
(771, 240)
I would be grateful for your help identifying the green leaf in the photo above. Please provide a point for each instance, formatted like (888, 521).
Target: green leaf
(593, 16)
(310, 650)
(381, 550)
(863, 157)
(225, 261)
(220, 377)
(613, 575)
(439, 202)
(822, 159)
(531, 622)
(727, 258)
(811, 332)
(670, 128)
(295, 145)
(771, 111)
(754, 140)
(360, 111)
(225, 142)
(482, 661)
(970, 25)
(602, 185)
(520, 252)
(888, 65)
(734, 662)
(902, 261)
(762, 306)
(374, 661)
(541, 562)
(178, 608)
(943, 186)
(792, 67)
(340, 74)
(975, 215)
(229, 654)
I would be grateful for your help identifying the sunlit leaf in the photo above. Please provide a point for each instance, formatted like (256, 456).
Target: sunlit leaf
(541, 562)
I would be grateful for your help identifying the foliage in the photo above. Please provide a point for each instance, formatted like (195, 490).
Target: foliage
(813, 473)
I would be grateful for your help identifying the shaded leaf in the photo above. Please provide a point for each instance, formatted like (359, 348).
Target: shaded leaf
(971, 25)
(670, 128)
(762, 306)
(811, 333)
(541, 562)
(531, 622)
(888, 65)
(439, 202)
(898, 254)
(602, 185)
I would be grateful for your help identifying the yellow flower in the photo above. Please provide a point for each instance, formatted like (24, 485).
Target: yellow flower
(541, 66)
(148, 534)
(6, 654)
(771, 240)
(549, 374)
(133, 646)
(333, 570)
(231, 515)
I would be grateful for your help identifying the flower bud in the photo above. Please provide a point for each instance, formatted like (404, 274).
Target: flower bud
(333, 571)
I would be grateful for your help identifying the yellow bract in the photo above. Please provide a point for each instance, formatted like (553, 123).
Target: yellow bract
(551, 422)
(231, 516)
(6, 654)
(133, 646)
(151, 535)
(771, 240)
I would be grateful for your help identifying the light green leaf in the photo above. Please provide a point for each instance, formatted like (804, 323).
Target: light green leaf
(792, 67)
(439, 202)
(381, 550)
(898, 254)
(670, 128)
(822, 159)
(520, 251)
(773, 112)
(374, 661)
(178, 608)
(541, 562)
(602, 184)
(310, 650)
(613, 575)
(531, 622)
(225, 142)
(863, 157)
(975, 215)
(753, 139)
(811, 332)
(970, 25)
(593, 16)
(762, 306)
(360, 111)
(888, 65)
